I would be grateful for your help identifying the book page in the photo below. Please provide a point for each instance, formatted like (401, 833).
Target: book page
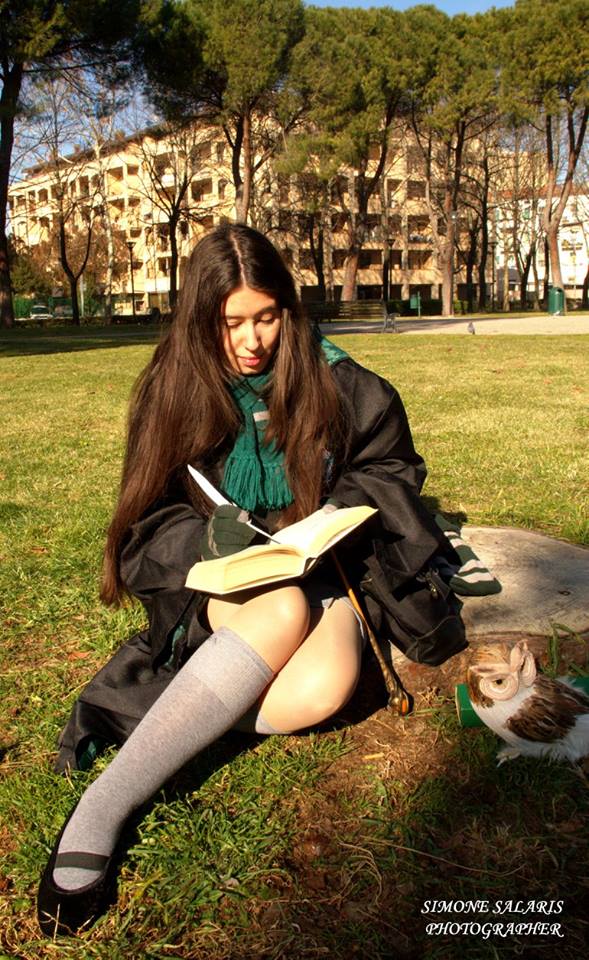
(320, 531)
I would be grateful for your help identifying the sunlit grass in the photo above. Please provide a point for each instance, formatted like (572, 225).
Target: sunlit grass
(216, 869)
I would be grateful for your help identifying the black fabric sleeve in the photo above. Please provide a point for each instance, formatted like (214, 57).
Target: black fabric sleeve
(161, 548)
(155, 561)
(384, 470)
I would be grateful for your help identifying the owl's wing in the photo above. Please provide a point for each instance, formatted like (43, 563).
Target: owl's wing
(549, 713)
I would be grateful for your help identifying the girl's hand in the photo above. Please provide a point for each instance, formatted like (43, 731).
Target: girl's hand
(226, 532)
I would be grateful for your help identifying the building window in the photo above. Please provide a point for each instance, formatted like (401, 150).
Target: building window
(393, 188)
(220, 151)
(418, 259)
(414, 160)
(418, 224)
(370, 258)
(305, 259)
(415, 189)
(201, 189)
(221, 187)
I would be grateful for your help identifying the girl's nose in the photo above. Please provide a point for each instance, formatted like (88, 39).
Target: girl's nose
(252, 338)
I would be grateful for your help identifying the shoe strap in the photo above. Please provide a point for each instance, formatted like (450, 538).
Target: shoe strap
(83, 861)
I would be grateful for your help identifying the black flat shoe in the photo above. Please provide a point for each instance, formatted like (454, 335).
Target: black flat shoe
(64, 912)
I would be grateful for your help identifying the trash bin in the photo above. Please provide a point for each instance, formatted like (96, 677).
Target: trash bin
(555, 300)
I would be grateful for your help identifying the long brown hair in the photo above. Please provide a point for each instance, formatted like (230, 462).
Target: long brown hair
(182, 411)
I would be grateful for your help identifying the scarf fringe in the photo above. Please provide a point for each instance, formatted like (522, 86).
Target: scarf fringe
(251, 486)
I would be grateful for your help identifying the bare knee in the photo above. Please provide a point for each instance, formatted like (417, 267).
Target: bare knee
(324, 696)
(274, 622)
(288, 609)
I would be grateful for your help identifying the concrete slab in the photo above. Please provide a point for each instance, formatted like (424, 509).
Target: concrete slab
(544, 581)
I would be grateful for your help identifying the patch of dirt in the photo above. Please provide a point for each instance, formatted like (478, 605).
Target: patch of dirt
(368, 870)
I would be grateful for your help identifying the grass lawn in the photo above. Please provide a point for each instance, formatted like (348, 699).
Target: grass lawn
(318, 846)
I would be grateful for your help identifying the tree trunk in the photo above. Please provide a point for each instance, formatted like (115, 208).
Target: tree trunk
(317, 254)
(523, 292)
(73, 282)
(12, 80)
(447, 268)
(350, 274)
(585, 294)
(173, 227)
(328, 254)
(482, 268)
(505, 299)
(470, 284)
(72, 278)
(482, 271)
(6, 309)
(536, 301)
(244, 192)
(552, 240)
(110, 259)
(547, 271)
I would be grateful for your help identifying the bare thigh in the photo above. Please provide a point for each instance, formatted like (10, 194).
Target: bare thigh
(320, 676)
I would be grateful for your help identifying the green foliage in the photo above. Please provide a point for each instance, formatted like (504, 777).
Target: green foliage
(545, 55)
(210, 55)
(34, 31)
(27, 276)
(248, 45)
(456, 67)
(351, 71)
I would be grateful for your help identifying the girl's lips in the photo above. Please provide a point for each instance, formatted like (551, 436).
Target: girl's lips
(251, 361)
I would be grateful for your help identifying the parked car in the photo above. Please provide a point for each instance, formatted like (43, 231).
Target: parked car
(40, 313)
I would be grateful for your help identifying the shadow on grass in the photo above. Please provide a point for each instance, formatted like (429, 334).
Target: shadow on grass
(10, 511)
(502, 848)
(23, 343)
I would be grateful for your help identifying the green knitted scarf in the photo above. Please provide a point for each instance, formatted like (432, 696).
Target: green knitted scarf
(254, 475)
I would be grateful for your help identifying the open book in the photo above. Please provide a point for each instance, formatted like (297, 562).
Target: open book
(291, 552)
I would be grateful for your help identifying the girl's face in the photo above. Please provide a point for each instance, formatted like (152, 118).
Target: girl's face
(251, 329)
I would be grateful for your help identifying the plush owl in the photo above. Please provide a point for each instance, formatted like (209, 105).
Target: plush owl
(536, 715)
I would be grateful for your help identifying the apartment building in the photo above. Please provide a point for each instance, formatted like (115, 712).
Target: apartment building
(128, 190)
(516, 229)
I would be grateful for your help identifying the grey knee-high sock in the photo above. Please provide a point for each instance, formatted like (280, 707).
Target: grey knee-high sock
(204, 700)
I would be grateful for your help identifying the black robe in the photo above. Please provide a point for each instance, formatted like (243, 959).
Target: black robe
(388, 561)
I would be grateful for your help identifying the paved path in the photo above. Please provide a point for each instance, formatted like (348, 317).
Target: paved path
(525, 324)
